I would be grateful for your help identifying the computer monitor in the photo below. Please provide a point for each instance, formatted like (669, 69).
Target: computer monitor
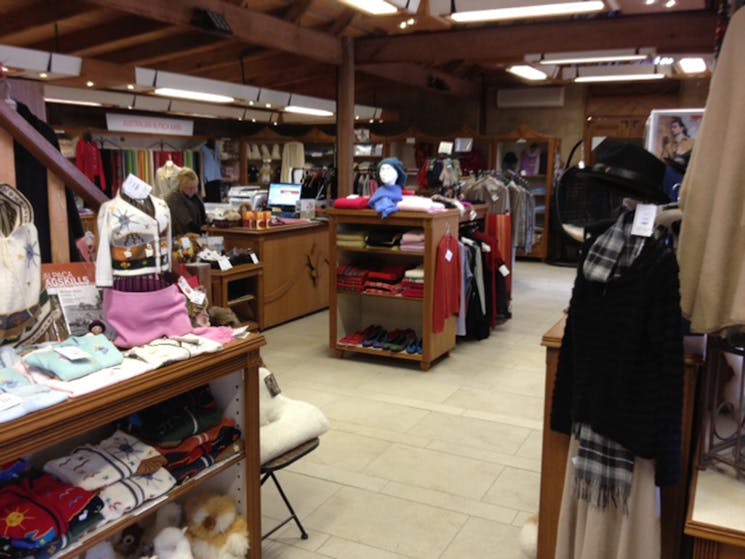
(284, 195)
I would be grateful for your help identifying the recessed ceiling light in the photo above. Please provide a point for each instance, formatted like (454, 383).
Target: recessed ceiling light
(692, 65)
(356, 117)
(89, 83)
(527, 72)
(372, 120)
(670, 3)
(253, 120)
(268, 105)
(649, 2)
(402, 25)
(193, 95)
(374, 7)
(251, 103)
(538, 10)
(275, 123)
(307, 111)
(411, 21)
(43, 75)
(72, 102)
(130, 86)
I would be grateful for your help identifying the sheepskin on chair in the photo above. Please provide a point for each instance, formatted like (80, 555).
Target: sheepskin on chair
(285, 423)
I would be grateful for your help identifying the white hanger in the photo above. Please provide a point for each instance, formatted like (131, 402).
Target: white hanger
(8, 99)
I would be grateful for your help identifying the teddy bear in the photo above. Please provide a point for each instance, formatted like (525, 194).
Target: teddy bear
(215, 529)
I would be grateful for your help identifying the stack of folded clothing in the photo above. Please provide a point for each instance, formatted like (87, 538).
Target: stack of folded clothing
(413, 241)
(351, 239)
(385, 281)
(383, 237)
(412, 285)
(20, 396)
(39, 514)
(350, 278)
(126, 472)
(352, 202)
(189, 431)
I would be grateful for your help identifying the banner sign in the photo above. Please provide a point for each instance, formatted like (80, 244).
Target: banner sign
(149, 124)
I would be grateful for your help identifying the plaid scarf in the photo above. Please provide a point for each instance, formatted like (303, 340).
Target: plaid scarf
(613, 251)
(603, 470)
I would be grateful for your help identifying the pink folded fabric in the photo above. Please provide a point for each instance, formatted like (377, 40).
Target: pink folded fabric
(358, 203)
(140, 318)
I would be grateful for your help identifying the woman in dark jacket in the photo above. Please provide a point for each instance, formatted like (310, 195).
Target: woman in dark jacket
(187, 210)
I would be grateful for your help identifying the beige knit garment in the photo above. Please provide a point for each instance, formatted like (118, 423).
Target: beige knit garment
(587, 532)
(711, 251)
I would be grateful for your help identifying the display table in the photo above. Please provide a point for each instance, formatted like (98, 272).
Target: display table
(556, 445)
(296, 267)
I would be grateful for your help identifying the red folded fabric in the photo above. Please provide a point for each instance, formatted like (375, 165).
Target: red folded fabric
(359, 203)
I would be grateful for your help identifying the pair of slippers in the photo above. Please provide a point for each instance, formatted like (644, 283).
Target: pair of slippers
(377, 337)
(357, 338)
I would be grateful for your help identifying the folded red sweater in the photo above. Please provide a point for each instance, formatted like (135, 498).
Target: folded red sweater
(358, 203)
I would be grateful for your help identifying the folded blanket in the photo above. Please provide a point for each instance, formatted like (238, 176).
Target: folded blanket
(99, 353)
(415, 273)
(185, 472)
(100, 379)
(415, 236)
(24, 399)
(420, 204)
(352, 202)
(412, 247)
(122, 496)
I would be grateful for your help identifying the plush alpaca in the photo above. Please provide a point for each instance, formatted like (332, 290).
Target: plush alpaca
(529, 537)
(215, 529)
(172, 543)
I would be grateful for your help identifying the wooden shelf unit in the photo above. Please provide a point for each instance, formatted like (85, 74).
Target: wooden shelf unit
(56, 424)
(248, 280)
(349, 312)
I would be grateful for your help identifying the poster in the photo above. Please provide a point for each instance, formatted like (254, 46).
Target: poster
(671, 134)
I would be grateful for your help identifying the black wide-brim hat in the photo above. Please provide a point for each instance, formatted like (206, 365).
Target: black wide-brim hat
(629, 169)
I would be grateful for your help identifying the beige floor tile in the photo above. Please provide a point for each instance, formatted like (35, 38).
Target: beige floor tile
(484, 539)
(451, 502)
(532, 446)
(395, 525)
(339, 548)
(521, 517)
(277, 550)
(339, 476)
(380, 415)
(498, 401)
(290, 535)
(415, 387)
(467, 431)
(477, 453)
(514, 488)
(434, 470)
(381, 434)
(347, 451)
(305, 493)
(506, 419)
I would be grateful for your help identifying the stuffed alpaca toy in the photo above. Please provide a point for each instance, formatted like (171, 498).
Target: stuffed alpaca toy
(529, 537)
(215, 529)
(172, 543)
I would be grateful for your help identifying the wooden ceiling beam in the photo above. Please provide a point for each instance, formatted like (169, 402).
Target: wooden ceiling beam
(139, 55)
(434, 80)
(670, 33)
(343, 22)
(98, 40)
(38, 13)
(296, 11)
(192, 52)
(248, 26)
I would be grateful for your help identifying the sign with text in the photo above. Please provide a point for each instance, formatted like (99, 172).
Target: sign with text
(149, 124)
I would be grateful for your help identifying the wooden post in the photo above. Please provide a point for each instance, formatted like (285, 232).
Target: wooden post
(60, 237)
(7, 159)
(345, 118)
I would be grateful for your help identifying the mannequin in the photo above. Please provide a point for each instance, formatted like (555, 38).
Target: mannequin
(392, 178)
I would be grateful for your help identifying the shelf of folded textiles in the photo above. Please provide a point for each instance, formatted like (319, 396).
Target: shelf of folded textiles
(104, 532)
(397, 296)
(540, 209)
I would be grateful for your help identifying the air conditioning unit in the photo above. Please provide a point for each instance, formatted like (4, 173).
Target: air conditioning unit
(530, 97)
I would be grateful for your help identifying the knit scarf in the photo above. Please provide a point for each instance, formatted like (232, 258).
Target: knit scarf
(613, 251)
(603, 470)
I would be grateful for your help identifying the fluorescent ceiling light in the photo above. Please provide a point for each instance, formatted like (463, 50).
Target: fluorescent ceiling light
(589, 57)
(692, 65)
(527, 72)
(631, 72)
(374, 7)
(307, 111)
(72, 102)
(518, 12)
(193, 95)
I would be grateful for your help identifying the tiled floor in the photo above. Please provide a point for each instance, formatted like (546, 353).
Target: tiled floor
(443, 464)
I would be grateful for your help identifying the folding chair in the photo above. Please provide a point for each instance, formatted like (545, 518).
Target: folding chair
(278, 463)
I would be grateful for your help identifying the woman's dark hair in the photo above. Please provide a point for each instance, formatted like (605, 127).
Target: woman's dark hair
(679, 122)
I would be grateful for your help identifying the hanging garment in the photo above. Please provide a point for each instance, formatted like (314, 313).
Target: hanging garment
(88, 160)
(25, 311)
(31, 180)
(166, 180)
(131, 242)
(712, 238)
(293, 157)
(447, 282)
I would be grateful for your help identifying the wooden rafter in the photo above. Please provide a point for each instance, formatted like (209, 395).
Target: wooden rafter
(37, 14)
(674, 32)
(341, 23)
(144, 52)
(297, 9)
(411, 74)
(196, 50)
(248, 26)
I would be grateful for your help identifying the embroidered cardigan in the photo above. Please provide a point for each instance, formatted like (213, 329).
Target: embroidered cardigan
(131, 243)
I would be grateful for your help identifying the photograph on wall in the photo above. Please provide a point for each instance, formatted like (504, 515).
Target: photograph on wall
(671, 134)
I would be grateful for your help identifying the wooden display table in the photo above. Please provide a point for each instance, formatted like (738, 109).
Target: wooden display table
(296, 267)
(556, 446)
(241, 289)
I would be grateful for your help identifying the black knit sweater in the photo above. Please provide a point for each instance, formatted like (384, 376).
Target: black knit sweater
(621, 361)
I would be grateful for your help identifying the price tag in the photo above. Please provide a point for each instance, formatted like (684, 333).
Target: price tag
(73, 353)
(504, 271)
(194, 295)
(272, 385)
(8, 401)
(185, 243)
(449, 255)
(254, 258)
(644, 216)
(224, 263)
(135, 187)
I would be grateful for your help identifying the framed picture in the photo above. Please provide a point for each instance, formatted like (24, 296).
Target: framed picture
(671, 133)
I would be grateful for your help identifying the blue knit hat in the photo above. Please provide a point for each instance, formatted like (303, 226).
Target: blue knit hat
(396, 164)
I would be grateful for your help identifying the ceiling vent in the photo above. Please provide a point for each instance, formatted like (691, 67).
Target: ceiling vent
(530, 97)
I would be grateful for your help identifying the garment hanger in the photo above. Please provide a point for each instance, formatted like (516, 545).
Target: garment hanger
(6, 92)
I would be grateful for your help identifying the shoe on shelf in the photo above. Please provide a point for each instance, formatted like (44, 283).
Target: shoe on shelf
(375, 339)
(385, 341)
(411, 349)
(403, 341)
(356, 338)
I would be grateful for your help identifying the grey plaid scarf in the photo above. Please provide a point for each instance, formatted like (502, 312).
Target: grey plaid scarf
(613, 251)
(603, 470)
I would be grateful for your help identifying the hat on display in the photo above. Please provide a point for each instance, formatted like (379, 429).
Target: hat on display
(629, 169)
(396, 164)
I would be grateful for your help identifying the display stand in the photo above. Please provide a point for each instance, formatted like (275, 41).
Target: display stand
(349, 312)
(76, 416)
(240, 289)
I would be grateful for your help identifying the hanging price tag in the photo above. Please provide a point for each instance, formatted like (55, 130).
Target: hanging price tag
(644, 217)
(254, 258)
(504, 270)
(135, 187)
(224, 263)
(449, 255)
(73, 353)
